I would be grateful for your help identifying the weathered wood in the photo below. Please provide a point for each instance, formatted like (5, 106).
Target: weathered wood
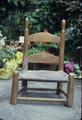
(70, 90)
(59, 86)
(44, 75)
(43, 58)
(63, 92)
(25, 55)
(24, 85)
(42, 99)
(44, 37)
(20, 91)
(14, 92)
(61, 52)
(62, 46)
(42, 89)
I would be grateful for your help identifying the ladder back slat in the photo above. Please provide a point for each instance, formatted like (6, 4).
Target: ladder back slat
(43, 58)
(44, 37)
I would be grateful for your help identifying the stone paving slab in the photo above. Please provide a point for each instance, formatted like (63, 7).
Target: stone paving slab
(38, 111)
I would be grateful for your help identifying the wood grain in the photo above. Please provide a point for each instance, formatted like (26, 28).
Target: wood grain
(44, 37)
(42, 99)
(44, 75)
(43, 58)
(14, 92)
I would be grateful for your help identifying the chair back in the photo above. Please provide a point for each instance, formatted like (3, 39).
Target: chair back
(44, 38)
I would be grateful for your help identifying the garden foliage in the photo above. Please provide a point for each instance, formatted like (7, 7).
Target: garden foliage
(42, 14)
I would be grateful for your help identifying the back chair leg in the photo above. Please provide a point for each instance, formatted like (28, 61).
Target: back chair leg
(59, 87)
(24, 85)
(14, 92)
(70, 90)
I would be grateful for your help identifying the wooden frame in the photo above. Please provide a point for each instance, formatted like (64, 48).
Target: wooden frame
(69, 95)
(59, 76)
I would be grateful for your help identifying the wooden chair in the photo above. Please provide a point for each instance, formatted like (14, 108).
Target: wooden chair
(49, 76)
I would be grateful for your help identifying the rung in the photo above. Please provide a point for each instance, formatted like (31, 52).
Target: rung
(42, 89)
(38, 80)
(63, 92)
(42, 99)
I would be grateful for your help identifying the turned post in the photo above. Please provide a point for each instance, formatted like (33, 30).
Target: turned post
(70, 90)
(61, 53)
(25, 55)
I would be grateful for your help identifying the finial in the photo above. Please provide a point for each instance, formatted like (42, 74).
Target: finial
(27, 19)
(26, 23)
(63, 24)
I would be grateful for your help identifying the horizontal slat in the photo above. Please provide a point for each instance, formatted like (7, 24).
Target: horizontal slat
(43, 58)
(21, 90)
(44, 37)
(42, 89)
(43, 80)
(42, 99)
(63, 92)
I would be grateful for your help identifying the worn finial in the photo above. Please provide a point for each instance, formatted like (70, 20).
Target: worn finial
(27, 19)
(26, 23)
(63, 24)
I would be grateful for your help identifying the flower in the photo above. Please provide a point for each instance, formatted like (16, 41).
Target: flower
(19, 57)
(69, 67)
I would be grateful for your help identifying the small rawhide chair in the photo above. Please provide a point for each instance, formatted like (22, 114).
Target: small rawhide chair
(58, 76)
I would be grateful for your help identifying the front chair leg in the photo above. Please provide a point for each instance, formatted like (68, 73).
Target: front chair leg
(70, 90)
(14, 92)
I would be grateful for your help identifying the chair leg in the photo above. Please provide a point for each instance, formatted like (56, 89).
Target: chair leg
(24, 85)
(59, 86)
(14, 92)
(70, 90)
